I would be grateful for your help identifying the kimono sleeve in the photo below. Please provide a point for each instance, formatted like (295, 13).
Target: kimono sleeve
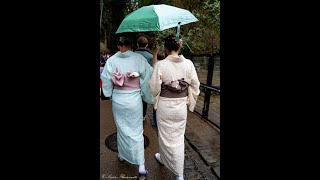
(107, 85)
(193, 89)
(155, 82)
(195, 83)
(146, 72)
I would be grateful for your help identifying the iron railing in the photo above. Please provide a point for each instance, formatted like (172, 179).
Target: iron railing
(208, 88)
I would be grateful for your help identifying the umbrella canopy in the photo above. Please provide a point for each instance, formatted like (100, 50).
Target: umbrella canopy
(155, 18)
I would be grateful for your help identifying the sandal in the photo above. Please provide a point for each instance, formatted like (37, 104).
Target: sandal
(120, 159)
(143, 176)
(155, 156)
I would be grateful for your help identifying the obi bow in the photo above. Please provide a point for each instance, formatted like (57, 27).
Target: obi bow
(178, 85)
(117, 78)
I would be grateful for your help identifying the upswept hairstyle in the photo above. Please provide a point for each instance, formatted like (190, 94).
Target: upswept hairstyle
(124, 41)
(171, 44)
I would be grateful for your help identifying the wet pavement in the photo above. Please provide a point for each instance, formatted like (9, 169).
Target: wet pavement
(202, 151)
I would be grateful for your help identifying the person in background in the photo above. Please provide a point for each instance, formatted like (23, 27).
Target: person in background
(142, 43)
(156, 56)
(175, 85)
(103, 54)
(103, 51)
(125, 79)
(101, 69)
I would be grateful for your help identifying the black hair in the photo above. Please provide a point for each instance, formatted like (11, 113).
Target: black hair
(124, 41)
(171, 44)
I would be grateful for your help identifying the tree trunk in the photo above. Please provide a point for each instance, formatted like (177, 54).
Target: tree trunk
(106, 39)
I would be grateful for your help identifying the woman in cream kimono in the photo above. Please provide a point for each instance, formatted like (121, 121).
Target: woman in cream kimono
(175, 85)
(125, 80)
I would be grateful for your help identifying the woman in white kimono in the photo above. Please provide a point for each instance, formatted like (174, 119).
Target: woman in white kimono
(175, 85)
(125, 80)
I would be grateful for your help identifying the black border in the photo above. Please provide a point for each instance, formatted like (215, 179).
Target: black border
(52, 90)
(265, 59)
(50, 94)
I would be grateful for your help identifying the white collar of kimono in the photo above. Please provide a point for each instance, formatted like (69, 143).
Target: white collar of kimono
(126, 54)
(176, 59)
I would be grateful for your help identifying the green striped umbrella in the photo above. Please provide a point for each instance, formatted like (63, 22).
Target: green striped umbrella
(156, 18)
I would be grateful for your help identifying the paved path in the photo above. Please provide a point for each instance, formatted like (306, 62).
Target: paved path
(196, 159)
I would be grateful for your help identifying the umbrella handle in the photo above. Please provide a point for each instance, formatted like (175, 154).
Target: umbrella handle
(155, 39)
(178, 32)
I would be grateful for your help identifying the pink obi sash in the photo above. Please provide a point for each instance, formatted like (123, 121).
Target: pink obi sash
(124, 82)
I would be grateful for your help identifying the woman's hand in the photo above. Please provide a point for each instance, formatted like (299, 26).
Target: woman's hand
(180, 42)
(155, 51)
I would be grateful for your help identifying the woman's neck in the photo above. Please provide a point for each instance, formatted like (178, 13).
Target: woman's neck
(174, 53)
(124, 49)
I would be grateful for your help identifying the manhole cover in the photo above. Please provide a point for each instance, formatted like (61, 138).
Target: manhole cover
(111, 142)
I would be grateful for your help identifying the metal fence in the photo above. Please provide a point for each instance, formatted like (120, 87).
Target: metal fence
(208, 70)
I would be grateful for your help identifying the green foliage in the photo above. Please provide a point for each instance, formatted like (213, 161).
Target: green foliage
(151, 2)
(202, 36)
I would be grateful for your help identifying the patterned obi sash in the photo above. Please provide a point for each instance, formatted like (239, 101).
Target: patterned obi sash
(125, 81)
(175, 89)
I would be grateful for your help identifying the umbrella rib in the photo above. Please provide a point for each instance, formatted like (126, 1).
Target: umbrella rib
(184, 40)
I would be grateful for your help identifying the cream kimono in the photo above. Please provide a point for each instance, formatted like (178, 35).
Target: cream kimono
(172, 111)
